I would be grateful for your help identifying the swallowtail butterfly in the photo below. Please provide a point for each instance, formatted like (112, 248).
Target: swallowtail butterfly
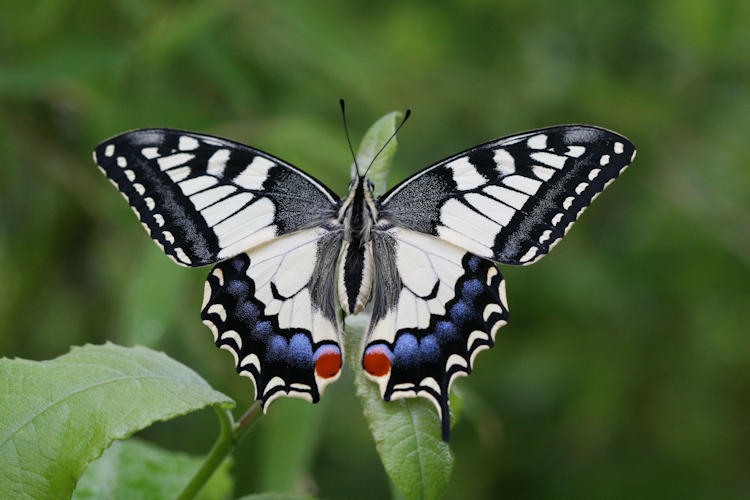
(289, 254)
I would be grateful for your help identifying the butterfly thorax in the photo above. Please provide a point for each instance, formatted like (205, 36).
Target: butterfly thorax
(357, 214)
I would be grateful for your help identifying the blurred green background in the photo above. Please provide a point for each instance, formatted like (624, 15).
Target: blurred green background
(624, 370)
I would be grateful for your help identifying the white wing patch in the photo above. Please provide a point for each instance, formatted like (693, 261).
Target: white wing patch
(281, 271)
(423, 263)
(465, 174)
(504, 161)
(255, 174)
(538, 141)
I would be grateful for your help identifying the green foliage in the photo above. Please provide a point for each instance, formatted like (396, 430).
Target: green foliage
(136, 469)
(56, 416)
(289, 439)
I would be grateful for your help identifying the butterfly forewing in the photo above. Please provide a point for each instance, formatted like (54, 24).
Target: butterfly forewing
(511, 200)
(204, 199)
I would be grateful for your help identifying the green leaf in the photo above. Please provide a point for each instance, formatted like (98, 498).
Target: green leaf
(407, 431)
(57, 416)
(289, 440)
(138, 469)
(373, 140)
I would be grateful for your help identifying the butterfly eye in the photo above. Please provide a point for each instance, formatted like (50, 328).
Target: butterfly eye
(370, 184)
(352, 184)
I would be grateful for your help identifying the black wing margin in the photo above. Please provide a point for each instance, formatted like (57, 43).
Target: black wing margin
(203, 199)
(511, 200)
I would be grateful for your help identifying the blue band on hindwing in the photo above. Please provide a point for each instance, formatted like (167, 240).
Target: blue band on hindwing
(406, 351)
(300, 352)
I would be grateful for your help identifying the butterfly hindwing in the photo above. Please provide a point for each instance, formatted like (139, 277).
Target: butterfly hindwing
(274, 309)
(511, 200)
(435, 308)
(204, 199)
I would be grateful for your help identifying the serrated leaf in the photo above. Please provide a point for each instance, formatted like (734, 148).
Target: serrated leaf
(374, 139)
(58, 415)
(138, 469)
(407, 431)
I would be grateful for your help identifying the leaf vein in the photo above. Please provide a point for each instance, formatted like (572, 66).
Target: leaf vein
(82, 389)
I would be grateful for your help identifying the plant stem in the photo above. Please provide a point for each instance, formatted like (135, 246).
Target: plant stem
(230, 433)
(246, 422)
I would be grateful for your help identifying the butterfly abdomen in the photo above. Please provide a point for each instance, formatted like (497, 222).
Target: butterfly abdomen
(355, 276)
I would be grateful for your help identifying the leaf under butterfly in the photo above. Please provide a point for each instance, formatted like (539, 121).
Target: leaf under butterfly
(56, 416)
(406, 432)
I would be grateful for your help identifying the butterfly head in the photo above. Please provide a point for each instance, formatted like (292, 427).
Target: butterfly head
(363, 183)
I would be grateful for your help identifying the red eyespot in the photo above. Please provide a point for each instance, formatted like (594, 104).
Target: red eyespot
(377, 362)
(328, 364)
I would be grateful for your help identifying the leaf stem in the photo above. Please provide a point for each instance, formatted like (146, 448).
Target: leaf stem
(230, 433)
(246, 422)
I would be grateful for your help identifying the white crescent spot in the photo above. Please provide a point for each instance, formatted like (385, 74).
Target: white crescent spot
(218, 309)
(231, 334)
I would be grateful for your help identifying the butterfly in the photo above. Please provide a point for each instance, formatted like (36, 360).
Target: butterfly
(289, 255)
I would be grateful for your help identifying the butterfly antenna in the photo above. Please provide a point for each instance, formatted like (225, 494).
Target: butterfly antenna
(406, 117)
(346, 131)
